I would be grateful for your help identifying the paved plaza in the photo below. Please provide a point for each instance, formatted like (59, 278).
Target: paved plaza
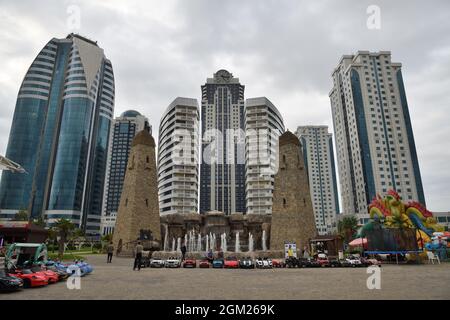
(119, 281)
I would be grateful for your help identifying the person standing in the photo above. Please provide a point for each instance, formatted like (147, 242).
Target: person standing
(306, 253)
(138, 257)
(183, 251)
(109, 251)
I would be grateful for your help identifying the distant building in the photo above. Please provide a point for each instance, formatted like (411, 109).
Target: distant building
(60, 135)
(222, 173)
(123, 131)
(373, 133)
(178, 158)
(317, 147)
(443, 218)
(263, 126)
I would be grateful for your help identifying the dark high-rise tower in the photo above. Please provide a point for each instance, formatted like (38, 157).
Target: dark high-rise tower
(222, 168)
(60, 134)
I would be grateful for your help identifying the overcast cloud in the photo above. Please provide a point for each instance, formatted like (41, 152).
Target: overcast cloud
(284, 50)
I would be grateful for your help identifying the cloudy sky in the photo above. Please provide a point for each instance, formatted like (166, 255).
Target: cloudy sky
(284, 50)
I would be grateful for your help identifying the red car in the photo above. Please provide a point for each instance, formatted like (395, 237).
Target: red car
(51, 275)
(322, 259)
(204, 264)
(30, 278)
(231, 263)
(190, 263)
(277, 263)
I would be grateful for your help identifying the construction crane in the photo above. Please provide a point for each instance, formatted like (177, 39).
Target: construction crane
(6, 164)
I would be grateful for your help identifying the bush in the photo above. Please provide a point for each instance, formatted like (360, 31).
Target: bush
(66, 257)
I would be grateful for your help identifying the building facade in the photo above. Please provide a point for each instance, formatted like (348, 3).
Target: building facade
(317, 147)
(374, 138)
(178, 158)
(123, 131)
(60, 134)
(263, 126)
(222, 167)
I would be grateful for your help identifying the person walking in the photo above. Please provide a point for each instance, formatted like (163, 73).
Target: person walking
(109, 251)
(138, 256)
(183, 251)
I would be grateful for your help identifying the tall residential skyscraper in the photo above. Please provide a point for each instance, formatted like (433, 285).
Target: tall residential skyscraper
(123, 130)
(60, 134)
(222, 169)
(317, 147)
(263, 126)
(178, 158)
(374, 137)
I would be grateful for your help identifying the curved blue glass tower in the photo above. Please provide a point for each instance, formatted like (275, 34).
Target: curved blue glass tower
(60, 134)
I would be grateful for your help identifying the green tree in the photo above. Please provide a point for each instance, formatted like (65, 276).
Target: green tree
(22, 215)
(107, 238)
(39, 222)
(64, 229)
(52, 234)
(347, 227)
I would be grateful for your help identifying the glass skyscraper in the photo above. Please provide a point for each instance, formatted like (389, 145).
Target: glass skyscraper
(222, 168)
(60, 134)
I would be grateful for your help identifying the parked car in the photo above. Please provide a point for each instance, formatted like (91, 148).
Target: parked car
(190, 263)
(308, 263)
(173, 263)
(246, 263)
(334, 263)
(263, 263)
(292, 262)
(231, 263)
(52, 276)
(157, 263)
(62, 275)
(370, 262)
(277, 263)
(204, 264)
(218, 263)
(9, 283)
(30, 278)
(322, 259)
(145, 261)
(353, 261)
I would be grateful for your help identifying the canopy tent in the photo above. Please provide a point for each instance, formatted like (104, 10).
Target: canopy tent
(359, 242)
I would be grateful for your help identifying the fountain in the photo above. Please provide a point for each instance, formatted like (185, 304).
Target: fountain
(199, 243)
(264, 245)
(250, 242)
(225, 247)
(173, 244)
(189, 244)
(237, 245)
(166, 238)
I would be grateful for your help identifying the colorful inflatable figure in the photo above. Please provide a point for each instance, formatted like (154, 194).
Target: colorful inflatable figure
(391, 211)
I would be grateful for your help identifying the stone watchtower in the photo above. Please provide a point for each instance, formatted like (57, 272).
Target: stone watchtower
(138, 214)
(292, 212)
